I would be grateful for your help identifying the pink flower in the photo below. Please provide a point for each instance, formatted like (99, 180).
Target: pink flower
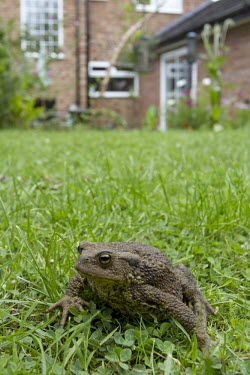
(225, 101)
(241, 105)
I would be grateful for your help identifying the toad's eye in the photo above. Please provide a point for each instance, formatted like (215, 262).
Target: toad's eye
(104, 259)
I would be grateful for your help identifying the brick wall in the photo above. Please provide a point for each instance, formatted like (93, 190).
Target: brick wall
(237, 68)
(10, 11)
(236, 71)
(105, 34)
(108, 23)
(62, 71)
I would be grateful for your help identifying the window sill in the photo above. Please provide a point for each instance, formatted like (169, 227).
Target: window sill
(113, 95)
(55, 56)
(149, 8)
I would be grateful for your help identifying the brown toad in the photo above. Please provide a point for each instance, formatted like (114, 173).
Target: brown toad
(138, 279)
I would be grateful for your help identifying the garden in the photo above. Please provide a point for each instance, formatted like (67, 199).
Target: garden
(184, 192)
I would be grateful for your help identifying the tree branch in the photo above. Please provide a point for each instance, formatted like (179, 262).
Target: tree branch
(125, 38)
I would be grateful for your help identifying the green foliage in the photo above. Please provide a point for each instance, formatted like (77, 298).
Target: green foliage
(139, 51)
(150, 120)
(237, 111)
(216, 54)
(186, 114)
(211, 110)
(16, 81)
(189, 115)
(103, 118)
(184, 192)
(241, 117)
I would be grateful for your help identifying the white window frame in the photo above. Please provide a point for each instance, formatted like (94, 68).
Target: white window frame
(180, 52)
(162, 6)
(23, 18)
(115, 73)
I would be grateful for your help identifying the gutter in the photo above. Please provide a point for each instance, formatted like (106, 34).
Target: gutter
(209, 12)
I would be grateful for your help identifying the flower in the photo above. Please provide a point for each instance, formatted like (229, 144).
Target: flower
(181, 83)
(171, 102)
(241, 105)
(206, 81)
(225, 101)
(218, 128)
(189, 102)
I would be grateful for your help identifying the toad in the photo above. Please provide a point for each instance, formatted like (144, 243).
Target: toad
(138, 280)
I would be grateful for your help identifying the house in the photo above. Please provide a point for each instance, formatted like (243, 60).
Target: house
(173, 51)
(80, 37)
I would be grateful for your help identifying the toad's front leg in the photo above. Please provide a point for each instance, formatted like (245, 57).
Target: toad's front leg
(71, 298)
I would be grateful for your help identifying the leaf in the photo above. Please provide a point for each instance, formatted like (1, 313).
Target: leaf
(168, 365)
(125, 355)
(124, 366)
(165, 347)
(246, 273)
(118, 338)
(129, 338)
(112, 357)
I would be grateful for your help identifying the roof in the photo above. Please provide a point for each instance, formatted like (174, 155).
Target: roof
(208, 12)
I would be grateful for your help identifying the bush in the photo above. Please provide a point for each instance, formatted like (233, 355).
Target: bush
(150, 120)
(237, 110)
(189, 115)
(16, 81)
(103, 118)
(241, 117)
(186, 114)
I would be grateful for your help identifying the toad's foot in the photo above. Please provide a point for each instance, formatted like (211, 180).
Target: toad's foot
(65, 304)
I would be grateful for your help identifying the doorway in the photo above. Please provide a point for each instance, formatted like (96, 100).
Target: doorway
(174, 81)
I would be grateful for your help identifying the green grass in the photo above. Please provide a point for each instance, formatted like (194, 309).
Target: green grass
(186, 193)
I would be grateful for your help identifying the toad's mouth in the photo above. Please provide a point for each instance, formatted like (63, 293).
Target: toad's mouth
(93, 274)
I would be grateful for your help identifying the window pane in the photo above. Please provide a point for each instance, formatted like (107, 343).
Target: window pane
(122, 83)
(41, 22)
(115, 84)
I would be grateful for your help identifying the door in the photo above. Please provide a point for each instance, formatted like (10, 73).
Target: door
(174, 81)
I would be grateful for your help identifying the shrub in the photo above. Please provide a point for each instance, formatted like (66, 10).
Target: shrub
(213, 38)
(150, 120)
(238, 112)
(16, 81)
(103, 118)
(186, 114)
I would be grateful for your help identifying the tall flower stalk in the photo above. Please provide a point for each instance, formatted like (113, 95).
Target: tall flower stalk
(214, 38)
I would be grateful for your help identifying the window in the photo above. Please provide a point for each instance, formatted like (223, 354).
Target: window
(42, 26)
(162, 6)
(177, 77)
(122, 84)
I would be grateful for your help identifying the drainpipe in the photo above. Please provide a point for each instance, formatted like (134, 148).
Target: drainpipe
(78, 55)
(87, 17)
(191, 58)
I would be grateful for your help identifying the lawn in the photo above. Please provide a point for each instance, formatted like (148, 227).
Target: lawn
(186, 193)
